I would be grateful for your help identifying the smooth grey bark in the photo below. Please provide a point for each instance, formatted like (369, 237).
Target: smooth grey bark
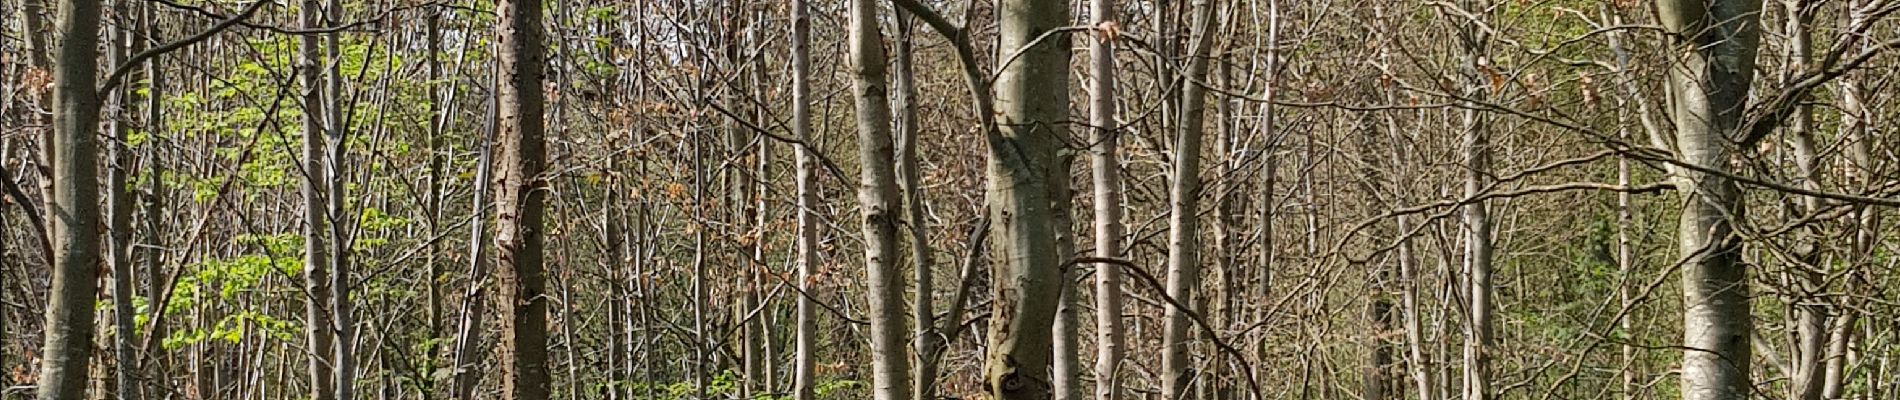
(1184, 263)
(806, 340)
(468, 334)
(316, 173)
(1810, 313)
(1105, 177)
(926, 341)
(342, 223)
(1031, 101)
(119, 208)
(1476, 217)
(75, 205)
(1067, 364)
(1708, 82)
(878, 204)
(521, 296)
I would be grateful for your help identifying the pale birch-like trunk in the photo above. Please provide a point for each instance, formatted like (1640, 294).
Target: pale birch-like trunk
(1479, 339)
(1184, 263)
(1708, 83)
(1105, 176)
(878, 204)
(1810, 313)
(806, 341)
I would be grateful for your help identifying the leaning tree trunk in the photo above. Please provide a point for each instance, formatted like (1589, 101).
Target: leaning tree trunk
(1032, 106)
(521, 297)
(74, 206)
(878, 204)
(1184, 263)
(1709, 84)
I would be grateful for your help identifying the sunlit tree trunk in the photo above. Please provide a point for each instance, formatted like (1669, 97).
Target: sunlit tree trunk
(1708, 83)
(806, 340)
(1032, 104)
(1184, 263)
(1105, 176)
(317, 317)
(1479, 340)
(878, 204)
(520, 198)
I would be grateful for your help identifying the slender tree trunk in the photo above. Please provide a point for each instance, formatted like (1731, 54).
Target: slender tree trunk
(1709, 85)
(1184, 263)
(1105, 177)
(879, 205)
(317, 318)
(1479, 339)
(342, 223)
(468, 335)
(154, 208)
(1810, 313)
(806, 339)
(438, 160)
(1068, 365)
(1032, 103)
(74, 205)
(1856, 130)
(926, 339)
(119, 208)
(522, 296)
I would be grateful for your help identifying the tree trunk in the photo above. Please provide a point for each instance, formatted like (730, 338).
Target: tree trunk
(1105, 176)
(1709, 86)
(1477, 219)
(1810, 314)
(878, 203)
(74, 205)
(1067, 366)
(1032, 103)
(119, 208)
(806, 339)
(317, 318)
(923, 314)
(518, 240)
(1184, 263)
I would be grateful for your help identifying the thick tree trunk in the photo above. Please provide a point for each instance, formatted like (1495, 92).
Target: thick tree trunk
(520, 197)
(1184, 263)
(1032, 103)
(1105, 176)
(75, 205)
(878, 204)
(1709, 85)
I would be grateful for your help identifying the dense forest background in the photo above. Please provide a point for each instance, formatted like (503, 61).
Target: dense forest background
(916, 199)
